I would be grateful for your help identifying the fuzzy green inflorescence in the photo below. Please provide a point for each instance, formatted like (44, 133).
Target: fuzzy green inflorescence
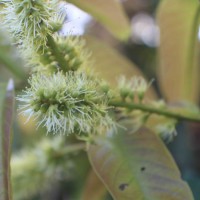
(62, 53)
(74, 52)
(39, 167)
(31, 21)
(70, 103)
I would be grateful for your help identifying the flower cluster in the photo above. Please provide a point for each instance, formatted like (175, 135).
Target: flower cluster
(70, 103)
(135, 87)
(62, 99)
(71, 49)
(31, 21)
(48, 161)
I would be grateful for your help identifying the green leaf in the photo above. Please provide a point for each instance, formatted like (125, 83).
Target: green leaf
(6, 112)
(137, 166)
(9, 57)
(178, 52)
(94, 189)
(109, 13)
(110, 64)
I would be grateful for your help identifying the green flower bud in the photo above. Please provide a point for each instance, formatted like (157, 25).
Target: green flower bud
(167, 130)
(125, 88)
(105, 87)
(67, 103)
(140, 88)
(137, 86)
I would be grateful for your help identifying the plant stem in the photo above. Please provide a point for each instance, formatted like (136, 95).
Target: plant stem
(158, 111)
(56, 52)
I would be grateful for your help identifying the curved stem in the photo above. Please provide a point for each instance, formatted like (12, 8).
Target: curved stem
(158, 111)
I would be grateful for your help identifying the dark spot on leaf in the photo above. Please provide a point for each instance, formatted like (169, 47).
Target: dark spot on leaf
(123, 186)
(143, 169)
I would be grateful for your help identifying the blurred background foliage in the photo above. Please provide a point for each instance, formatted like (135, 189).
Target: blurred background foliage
(41, 168)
